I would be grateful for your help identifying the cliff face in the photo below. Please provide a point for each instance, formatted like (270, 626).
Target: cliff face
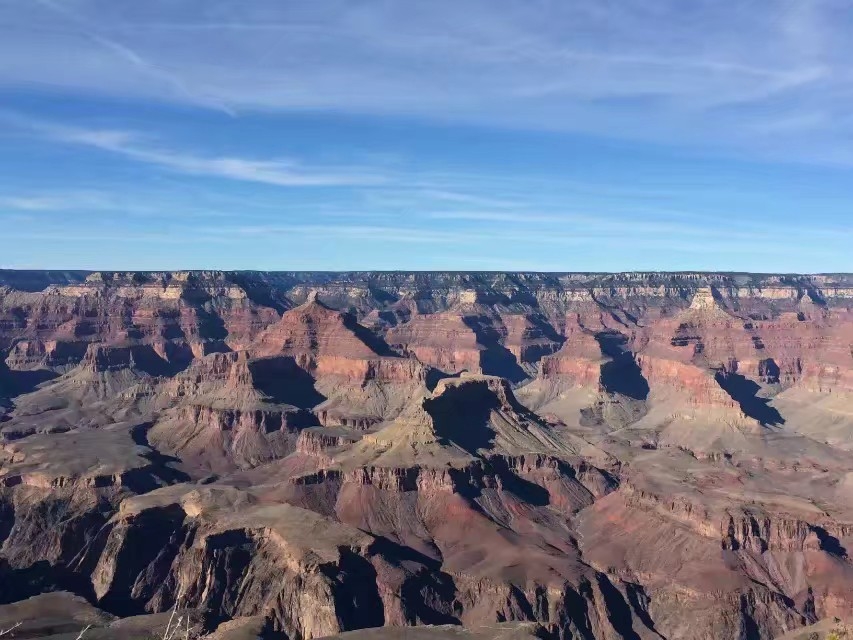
(605, 455)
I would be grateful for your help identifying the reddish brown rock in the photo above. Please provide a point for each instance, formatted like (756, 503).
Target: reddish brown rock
(579, 360)
(442, 340)
(658, 455)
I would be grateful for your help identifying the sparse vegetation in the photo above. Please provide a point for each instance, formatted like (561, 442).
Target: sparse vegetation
(178, 627)
(837, 634)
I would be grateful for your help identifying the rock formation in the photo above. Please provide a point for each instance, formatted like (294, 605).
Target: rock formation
(477, 455)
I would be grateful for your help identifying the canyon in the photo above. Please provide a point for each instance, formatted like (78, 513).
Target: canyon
(480, 455)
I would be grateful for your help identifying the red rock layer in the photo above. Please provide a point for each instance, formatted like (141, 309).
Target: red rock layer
(183, 315)
(579, 360)
(312, 330)
(442, 340)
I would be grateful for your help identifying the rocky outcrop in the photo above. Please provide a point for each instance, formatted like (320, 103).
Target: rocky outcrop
(359, 381)
(442, 340)
(318, 441)
(579, 360)
(313, 331)
(55, 355)
(183, 315)
(221, 550)
(696, 385)
(56, 491)
(760, 532)
(217, 550)
(529, 337)
(305, 454)
(756, 322)
(228, 411)
(245, 437)
(745, 528)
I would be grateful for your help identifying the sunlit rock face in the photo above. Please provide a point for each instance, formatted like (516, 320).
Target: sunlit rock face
(633, 455)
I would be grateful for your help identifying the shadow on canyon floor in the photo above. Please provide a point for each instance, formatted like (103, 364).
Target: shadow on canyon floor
(744, 392)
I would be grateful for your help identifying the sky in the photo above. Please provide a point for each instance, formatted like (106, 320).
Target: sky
(524, 135)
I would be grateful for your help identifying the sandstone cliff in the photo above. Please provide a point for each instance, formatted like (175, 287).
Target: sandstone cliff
(298, 455)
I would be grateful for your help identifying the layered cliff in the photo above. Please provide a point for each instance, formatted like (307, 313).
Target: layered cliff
(296, 455)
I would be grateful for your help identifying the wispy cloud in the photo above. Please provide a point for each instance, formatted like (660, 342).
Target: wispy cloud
(510, 217)
(134, 58)
(136, 93)
(136, 146)
(504, 240)
(456, 197)
(68, 201)
(642, 228)
(383, 234)
(647, 69)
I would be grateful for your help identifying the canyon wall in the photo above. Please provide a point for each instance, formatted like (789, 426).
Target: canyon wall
(635, 455)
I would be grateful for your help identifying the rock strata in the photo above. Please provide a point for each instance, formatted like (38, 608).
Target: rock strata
(472, 455)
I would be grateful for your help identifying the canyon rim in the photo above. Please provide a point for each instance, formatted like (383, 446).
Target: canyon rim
(298, 454)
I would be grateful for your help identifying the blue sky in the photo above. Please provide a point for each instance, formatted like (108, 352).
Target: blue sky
(598, 135)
